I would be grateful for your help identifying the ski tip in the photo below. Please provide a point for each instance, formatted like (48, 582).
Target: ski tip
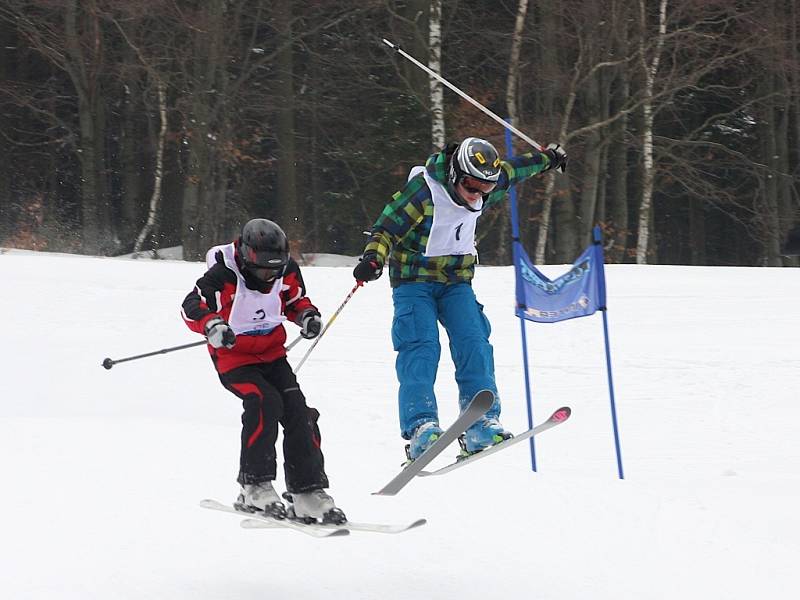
(562, 414)
(483, 399)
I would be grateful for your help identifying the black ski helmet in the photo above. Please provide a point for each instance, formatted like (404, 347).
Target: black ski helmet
(263, 245)
(475, 158)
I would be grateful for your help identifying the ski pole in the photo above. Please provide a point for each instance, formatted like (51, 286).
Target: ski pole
(108, 362)
(294, 343)
(328, 324)
(475, 103)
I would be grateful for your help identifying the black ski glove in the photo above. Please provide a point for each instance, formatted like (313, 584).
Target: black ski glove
(219, 333)
(557, 156)
(368, 268)
(311, 324)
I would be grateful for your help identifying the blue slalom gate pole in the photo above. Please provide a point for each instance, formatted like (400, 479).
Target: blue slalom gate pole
(597, 240)
(611, 393)
(515, 242)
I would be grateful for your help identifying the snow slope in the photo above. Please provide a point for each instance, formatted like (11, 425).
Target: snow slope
(102, 470)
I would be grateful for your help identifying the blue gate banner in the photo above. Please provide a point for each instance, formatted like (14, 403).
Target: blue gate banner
(577, 293)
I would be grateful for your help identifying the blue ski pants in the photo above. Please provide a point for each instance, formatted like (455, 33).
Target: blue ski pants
(418, 308)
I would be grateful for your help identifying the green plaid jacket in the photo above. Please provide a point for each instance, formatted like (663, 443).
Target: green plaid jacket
(400, 234)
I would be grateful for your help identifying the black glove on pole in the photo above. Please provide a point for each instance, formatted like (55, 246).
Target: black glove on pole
(368, 268)
(557, 156)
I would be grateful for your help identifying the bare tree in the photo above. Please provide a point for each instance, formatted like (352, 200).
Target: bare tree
(650, 72)
(566, 241)
(291, 211)
(690, 159)
(143, 26)
(72, 39)
(158, 174)
(512, 105)
(435, 64)
(410, 28)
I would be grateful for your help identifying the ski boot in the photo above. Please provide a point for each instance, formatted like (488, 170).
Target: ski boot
(424, 436)
(260, 498)
(314, 506)
(484, 433)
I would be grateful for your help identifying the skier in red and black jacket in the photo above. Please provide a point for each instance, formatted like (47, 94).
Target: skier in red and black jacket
(251, 287)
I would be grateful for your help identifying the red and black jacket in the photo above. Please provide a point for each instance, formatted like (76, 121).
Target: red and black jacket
(213, 296)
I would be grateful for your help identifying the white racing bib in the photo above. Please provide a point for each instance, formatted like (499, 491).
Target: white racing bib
(453, 227)
(252, 313)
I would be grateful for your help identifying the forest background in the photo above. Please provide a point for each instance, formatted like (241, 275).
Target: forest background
(133, 126)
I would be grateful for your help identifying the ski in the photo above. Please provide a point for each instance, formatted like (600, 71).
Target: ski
(558, 417)
(313, 530)
(480, 403)
(251, 523)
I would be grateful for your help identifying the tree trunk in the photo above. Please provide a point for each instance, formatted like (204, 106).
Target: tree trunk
(158, 175)
(95, 208)
(513, 63)
(771, 220)
(782, 111)
(438, 132)
(504, 247)
(564, 242)
(204, 198)
(7, 40)
(794, 135)
(130, 156)
(411, 25)
(697, 232)
(290, 214)
(617, 213)
(648, 173)
(596, 99)
(196, 230)
(319, 239)
(782, 165)
(773, 128)
(565, 215)
(591, 184)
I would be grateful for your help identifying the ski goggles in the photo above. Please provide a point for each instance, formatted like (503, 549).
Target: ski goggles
(265, 272)
(476, 186)
(266, 265)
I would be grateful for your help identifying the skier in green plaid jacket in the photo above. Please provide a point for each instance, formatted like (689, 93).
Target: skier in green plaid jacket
(426, 234)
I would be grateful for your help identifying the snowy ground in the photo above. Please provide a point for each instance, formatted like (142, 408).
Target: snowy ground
(103, 470)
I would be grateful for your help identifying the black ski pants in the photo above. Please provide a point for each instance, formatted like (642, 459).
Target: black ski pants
(270, 395)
